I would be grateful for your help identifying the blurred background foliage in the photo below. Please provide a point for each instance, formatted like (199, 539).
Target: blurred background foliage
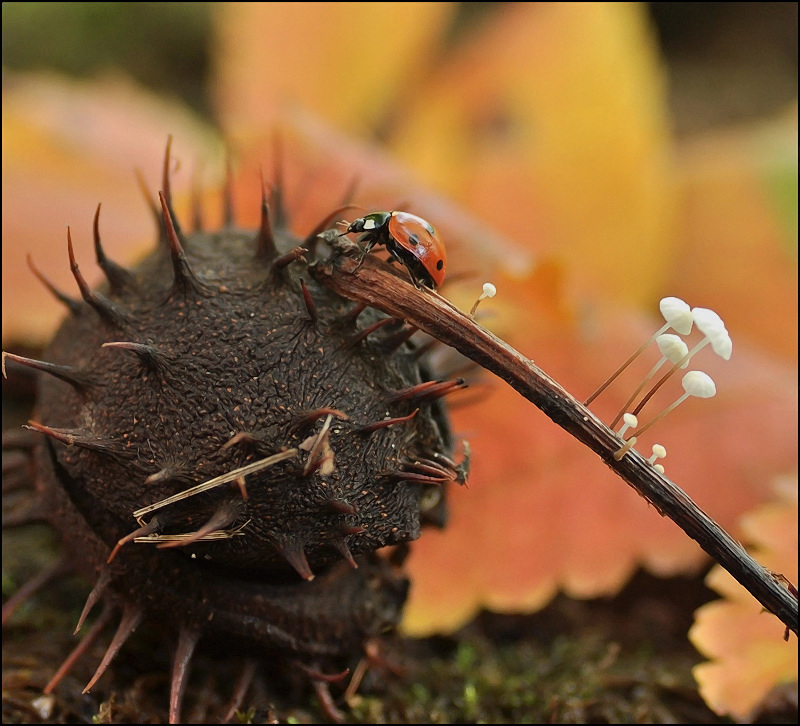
(728, 61)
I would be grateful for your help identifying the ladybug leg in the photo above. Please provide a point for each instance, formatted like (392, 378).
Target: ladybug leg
(396, 256)
(365, 251)
(417, 282)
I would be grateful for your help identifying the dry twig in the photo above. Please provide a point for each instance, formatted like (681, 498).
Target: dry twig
(376, 284)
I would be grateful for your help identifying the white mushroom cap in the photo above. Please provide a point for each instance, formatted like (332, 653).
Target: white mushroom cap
(697, 383)
(677, 313)
(659, 452)
(708, 322)
(722, 344)
(673, 348)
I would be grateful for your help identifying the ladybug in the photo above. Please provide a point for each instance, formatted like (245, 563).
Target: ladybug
(410, 240)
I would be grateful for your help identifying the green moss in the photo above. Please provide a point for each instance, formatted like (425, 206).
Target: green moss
(617, 661)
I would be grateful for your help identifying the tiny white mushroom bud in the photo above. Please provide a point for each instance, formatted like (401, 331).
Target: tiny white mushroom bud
(489, 290)
(678, 316)
(659, 468)
(659, 452)
(628, 421)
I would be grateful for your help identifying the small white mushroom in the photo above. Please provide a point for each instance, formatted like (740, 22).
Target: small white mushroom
(489, 290)
(678, 316)
(672, 349)
(695, 383)
(659, 452)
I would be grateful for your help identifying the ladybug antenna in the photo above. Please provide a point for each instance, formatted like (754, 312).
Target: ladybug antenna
(347, 228)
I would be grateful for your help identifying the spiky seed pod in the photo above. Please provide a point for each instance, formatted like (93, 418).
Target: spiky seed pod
(224, 447)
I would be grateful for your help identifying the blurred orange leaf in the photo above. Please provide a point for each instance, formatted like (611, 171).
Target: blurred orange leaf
(67, 146)
(344, 62)
(748, 655)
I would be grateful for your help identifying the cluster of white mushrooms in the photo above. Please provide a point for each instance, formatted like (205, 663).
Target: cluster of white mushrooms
(680, 318)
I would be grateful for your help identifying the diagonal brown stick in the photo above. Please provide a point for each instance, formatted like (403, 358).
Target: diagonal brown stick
(376, 284)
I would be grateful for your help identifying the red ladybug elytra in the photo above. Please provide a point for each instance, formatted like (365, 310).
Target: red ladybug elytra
(410, 240)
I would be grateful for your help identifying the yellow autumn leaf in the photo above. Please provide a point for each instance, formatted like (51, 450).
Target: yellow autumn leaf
(550, 122)
(343, 62)
(748, 656)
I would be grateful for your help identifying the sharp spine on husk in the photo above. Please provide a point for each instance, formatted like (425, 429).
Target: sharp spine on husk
(104, 307)
(118, 277)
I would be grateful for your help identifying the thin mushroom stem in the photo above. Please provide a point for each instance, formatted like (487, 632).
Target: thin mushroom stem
(671, 347)
(489, 290)
(661, 381)
(695, 383)
(677, 315)
(629, 443)
(616, 373)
